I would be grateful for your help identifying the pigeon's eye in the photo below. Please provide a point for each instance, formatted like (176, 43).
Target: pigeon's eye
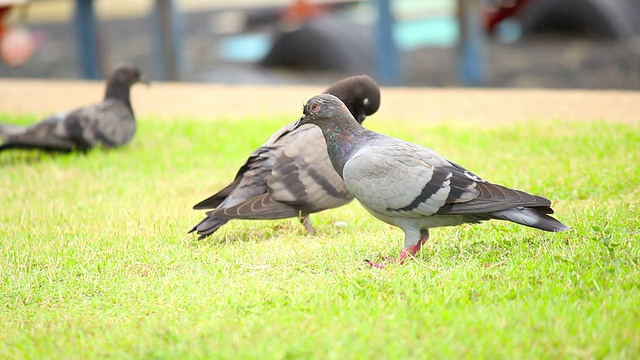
(315, 107)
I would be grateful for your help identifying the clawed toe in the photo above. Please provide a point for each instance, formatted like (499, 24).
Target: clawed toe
(379, 265)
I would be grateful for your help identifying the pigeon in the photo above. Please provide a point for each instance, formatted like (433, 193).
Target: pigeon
(110, 123)
(413, 187)
(290, 174)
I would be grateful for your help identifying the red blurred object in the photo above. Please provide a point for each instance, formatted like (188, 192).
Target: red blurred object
(17, 43)
(302, 10)
(4, 10)
(503, 10)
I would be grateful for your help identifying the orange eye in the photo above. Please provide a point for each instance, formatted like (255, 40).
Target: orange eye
(315, 107)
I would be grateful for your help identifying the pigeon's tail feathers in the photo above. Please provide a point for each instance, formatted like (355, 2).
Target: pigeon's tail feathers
(46, 146)
(535, 217)
(14, 145)
(208, 226)
(261, 207)
(209, 203)
(9, 130)
(216, 199)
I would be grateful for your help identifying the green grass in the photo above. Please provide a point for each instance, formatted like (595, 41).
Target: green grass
(95, 260)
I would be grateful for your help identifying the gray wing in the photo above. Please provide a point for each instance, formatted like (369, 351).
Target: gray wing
(304, 176)
(109, 123)
(49, 134)
(485, 197)
(7, 130)
(301, 180)
(251, 178)
(412, 181)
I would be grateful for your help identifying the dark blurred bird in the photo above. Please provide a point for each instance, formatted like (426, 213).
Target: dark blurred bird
(110, 123)
(290, 174)
(411, 186)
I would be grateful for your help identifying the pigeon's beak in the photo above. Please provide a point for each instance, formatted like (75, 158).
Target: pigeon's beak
(299, 122)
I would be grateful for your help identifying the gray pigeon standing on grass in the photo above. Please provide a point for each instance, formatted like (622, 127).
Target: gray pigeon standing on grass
(411, 186)
(110, 123)
(290, 175)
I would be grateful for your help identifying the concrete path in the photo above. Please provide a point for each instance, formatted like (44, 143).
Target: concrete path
(208, 102)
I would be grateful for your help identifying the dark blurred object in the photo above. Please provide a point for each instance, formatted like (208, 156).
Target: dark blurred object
(607, 19)
(322, 43)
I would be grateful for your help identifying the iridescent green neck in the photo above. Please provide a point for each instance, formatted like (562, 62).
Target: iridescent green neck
(342, 141)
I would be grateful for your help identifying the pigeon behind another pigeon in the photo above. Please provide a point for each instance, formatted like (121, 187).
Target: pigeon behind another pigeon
(290, 174)
(411, 186)
(110, 123)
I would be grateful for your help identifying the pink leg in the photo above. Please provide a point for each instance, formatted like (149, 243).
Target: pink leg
(304, 220)
(411, 251)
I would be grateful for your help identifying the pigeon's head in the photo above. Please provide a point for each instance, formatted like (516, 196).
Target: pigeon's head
(126, 76)
(322, 110)
(120, 82)
(361, 95)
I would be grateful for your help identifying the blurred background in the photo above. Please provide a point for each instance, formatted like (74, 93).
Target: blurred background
(488, 43)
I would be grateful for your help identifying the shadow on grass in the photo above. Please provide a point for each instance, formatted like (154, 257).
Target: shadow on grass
(33, 156)
(22, 157)
(251, 233)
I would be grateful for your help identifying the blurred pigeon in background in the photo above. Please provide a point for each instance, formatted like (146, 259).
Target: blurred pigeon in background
(110, 123)
(290, 175)
(411, 186)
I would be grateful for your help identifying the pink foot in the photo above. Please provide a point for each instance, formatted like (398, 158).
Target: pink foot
(378, 265)
(411, 251)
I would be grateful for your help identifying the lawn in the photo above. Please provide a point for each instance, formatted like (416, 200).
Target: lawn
(96, 262)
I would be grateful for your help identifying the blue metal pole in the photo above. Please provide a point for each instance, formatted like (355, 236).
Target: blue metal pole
(167, 33)
(386, 56)
(471, 68)
(86, 39)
